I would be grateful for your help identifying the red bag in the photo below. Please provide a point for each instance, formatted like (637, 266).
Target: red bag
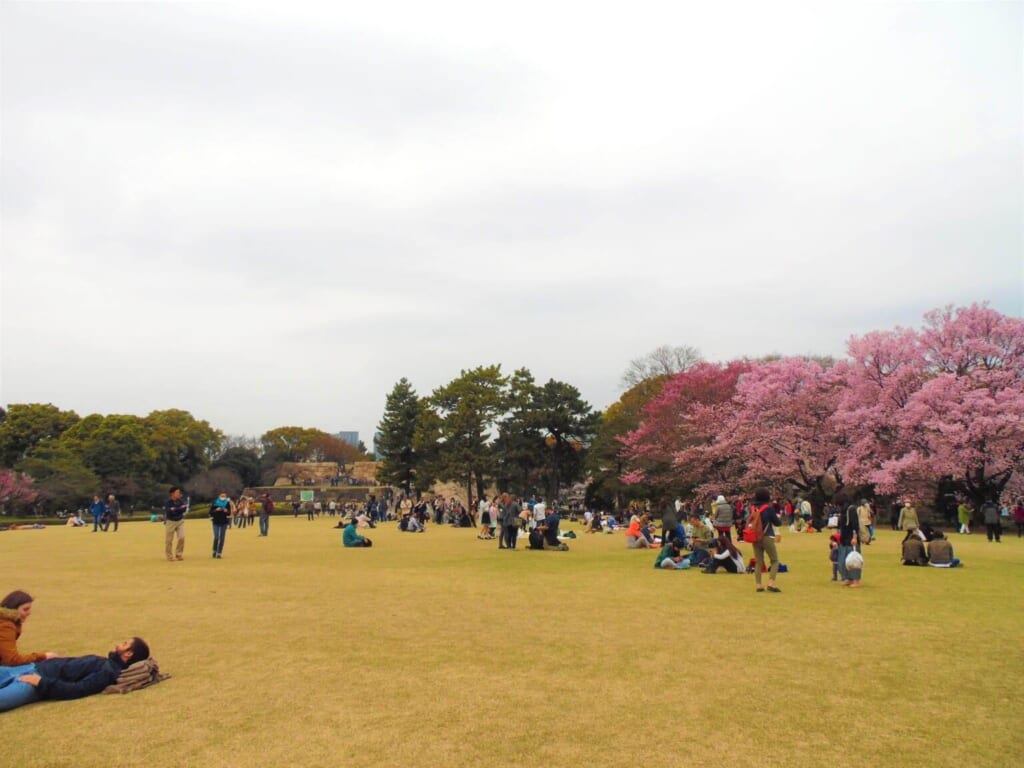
(754, 530)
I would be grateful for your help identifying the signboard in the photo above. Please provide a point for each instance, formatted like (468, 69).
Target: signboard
(306, 495)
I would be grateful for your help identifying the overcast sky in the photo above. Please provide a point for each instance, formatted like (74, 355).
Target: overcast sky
(267, 215)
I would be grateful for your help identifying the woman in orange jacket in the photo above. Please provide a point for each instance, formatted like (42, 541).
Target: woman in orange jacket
(14, 612)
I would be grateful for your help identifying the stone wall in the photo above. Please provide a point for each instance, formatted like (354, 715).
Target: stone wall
(298, 472)
(281, 495)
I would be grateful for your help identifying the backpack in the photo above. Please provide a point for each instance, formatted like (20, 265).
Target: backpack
(754, 530)
(536, 539)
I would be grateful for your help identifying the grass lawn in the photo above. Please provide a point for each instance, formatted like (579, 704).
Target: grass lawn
(437, 649)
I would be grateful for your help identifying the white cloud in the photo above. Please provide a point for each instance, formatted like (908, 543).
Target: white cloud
(268, 213)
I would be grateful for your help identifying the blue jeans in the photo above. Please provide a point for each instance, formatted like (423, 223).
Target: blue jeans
(14, 694)
(264, 525)
(847, 574)
(95, 523)
(220, 530)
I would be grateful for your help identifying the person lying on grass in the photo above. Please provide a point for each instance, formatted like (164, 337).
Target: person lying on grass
(67, 678)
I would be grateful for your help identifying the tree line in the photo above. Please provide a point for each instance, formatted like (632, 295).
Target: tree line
(486, 427)
(932, 413)
(54, 459)
(927, 412)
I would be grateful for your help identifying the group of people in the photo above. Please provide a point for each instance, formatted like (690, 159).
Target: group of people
(709, 538)
(104, 512)
(505, 517)
(928, 546)
(992, 516)
(224, 512)
(39, 675)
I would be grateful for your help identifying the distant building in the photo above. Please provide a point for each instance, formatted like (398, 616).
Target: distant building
(352, 438)
(376, 451)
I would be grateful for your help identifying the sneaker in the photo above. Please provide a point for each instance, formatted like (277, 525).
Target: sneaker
(773, 588)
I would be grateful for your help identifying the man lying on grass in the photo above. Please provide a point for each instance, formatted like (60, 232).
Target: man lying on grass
(67, 678)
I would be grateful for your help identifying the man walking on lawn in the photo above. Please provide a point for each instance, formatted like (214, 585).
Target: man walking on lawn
(174, 523)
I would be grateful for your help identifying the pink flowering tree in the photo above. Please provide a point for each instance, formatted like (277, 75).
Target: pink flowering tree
(776, 431)
(947, 401)
(676, 420)
(15, 490)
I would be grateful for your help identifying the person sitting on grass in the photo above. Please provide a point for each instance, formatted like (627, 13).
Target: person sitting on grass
(549, 531)
(671, 556)
(594, 526)
(15, 609)
(913, 550)
(350, 538)
(940, 552)
(410, 523)
(698, 533)
(726, 556)
(636, 537)
(67, 678)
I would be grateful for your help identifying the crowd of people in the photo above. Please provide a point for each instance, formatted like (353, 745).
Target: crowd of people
(704, 533)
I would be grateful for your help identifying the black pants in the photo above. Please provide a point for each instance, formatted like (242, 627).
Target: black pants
(511, 534)
(994, 529)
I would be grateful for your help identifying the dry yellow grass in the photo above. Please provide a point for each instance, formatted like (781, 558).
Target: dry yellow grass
(436, 649)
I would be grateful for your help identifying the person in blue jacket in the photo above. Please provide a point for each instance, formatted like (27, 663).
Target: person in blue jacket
(96, 509)
(67, 678)
(350, 538)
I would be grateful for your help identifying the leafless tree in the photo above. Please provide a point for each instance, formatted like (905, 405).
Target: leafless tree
(663, 361)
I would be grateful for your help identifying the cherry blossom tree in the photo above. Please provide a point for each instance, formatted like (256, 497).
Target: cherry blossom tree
(675, 420)
(775, 431)
(947, 401)
(15, 490)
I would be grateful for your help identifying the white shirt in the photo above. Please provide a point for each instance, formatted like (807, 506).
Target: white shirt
(540, 511)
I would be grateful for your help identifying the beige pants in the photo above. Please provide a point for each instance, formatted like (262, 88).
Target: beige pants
(170, 528)
(765, 546)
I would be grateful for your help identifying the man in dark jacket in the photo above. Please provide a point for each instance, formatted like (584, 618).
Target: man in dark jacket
(509, 510)
(174, 524)
(266, 510)
(67, 678)
(990, 516)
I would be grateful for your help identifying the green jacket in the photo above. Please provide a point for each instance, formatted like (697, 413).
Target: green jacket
(963, 514)
(350, 538)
